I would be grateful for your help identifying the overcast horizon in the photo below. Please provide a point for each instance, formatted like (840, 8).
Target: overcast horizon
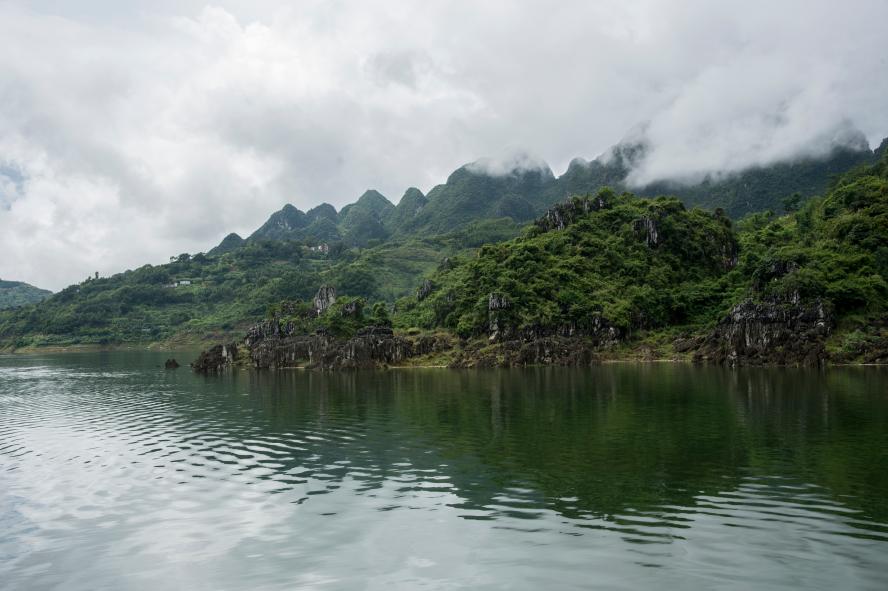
(133, 132)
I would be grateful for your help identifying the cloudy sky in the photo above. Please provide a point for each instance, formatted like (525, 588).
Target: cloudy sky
(132, 131)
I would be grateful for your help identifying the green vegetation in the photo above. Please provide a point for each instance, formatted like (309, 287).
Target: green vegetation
(640, 264)
(204, 297)
(471, 194)
(762, 188)
(633, 264)
(14, 294)
(604, 265)
(198, 295)
(344, 318)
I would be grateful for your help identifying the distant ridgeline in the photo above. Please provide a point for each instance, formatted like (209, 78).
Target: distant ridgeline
(482, 191)
(15, 293)
(378, 251)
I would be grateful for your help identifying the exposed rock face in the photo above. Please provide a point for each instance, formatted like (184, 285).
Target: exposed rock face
(553, 350)
(781, 332)
(325, 298)
(353, 309)
(272, 345)
(498, 327)
(647, 227)
(576, 343)
(496, 301)
(564, 214)
(596, 331)
(425, 289)
(216, 358)
(371, 347)
(730, 254)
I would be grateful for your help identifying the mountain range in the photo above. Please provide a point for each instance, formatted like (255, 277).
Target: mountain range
(524, 189)
(379, 251)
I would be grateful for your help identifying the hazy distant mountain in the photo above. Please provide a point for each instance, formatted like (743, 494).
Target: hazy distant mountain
(472, 193)
(15, 293)
(356, 224)
(522, 188)
(883, 147)
(285, 224)
(228, 244)
(364, 220)
(410, 206)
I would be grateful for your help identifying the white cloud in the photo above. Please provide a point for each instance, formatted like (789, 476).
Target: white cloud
(140, 130)
(511, 161)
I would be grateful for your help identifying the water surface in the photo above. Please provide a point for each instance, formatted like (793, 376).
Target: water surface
(118, 474)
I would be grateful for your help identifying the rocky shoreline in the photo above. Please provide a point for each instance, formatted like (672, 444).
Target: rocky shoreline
(754, 333)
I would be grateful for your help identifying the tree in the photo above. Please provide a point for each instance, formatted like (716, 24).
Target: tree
(380, 313)
(792, 202)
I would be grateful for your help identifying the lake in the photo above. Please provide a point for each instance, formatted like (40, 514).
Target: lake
(118, 474)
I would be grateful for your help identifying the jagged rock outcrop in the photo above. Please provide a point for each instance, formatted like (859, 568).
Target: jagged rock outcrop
(352, 309)
(216, 358)
(371, 347)
(596, 331)
(648, 228)
(171, 364)
(564, 214)
(773, 332)
(325, 298)
(272, 346)
(497, 306)
(498, 301)
(425, 289)
(552, 350)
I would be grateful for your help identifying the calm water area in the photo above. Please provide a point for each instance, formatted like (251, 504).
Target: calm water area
(118, 474)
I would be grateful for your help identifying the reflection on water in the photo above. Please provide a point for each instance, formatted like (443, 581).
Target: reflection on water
(117, 474)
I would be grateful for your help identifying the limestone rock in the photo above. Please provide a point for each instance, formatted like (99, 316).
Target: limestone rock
(325, 298)
(564, 214)
(648, 228)
(424, 290)
(783, 331)
(216, 358)
(352, 309)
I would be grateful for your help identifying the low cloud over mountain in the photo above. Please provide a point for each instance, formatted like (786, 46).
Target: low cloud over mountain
(130, 133)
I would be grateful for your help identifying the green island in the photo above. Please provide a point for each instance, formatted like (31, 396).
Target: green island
(522, 268)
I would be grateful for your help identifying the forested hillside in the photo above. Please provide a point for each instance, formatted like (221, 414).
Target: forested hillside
(206, 295)
(15, 293)
(613, 268)
(380, 251)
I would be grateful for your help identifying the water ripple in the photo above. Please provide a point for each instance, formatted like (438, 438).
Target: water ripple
(111, 469)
